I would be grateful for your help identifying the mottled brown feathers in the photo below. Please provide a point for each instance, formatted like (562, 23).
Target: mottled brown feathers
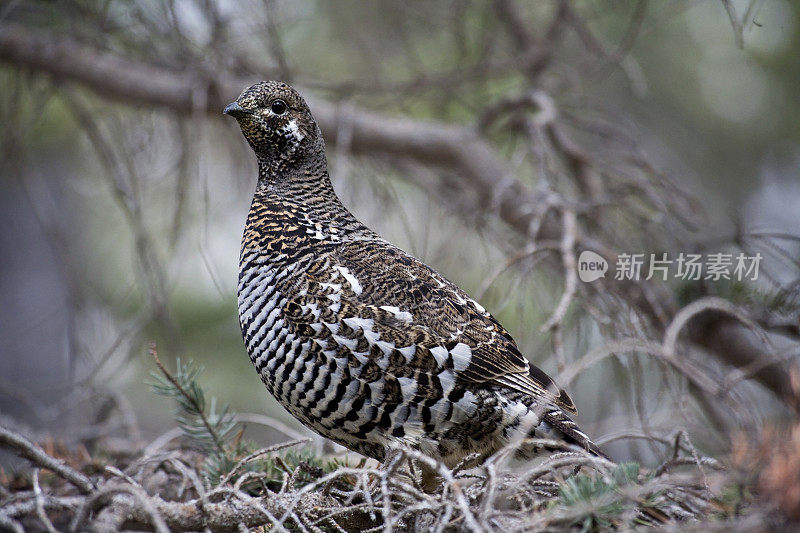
(360, 341)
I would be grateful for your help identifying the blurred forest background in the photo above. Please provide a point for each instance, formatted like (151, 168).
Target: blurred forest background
(493, 140)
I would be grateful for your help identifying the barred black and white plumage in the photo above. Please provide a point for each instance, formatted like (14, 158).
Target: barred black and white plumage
(357, 339)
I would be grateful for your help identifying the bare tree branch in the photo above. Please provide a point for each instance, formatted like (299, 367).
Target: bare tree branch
(459, 150)
(33, 453)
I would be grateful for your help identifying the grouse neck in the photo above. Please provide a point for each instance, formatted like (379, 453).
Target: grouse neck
(312, 193)
(307, 177)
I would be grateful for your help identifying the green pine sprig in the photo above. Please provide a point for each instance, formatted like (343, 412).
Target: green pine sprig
(211, 429)
(202, 422)
(601, 501)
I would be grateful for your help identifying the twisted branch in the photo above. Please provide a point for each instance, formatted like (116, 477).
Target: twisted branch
(459, 150)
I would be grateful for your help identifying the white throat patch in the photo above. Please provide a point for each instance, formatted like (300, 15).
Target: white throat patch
(294, 130)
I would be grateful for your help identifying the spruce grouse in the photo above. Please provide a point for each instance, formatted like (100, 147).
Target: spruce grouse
(361, 342)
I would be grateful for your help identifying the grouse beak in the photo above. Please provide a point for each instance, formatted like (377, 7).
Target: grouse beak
(235, 110)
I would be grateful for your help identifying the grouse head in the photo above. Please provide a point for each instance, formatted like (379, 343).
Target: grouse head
(276, 122)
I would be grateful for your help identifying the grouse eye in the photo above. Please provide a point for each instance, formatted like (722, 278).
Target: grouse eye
(279, 107)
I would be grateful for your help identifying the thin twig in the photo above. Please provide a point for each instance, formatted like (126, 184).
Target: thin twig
(33, 453)
(40, 512)
(255, 455)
